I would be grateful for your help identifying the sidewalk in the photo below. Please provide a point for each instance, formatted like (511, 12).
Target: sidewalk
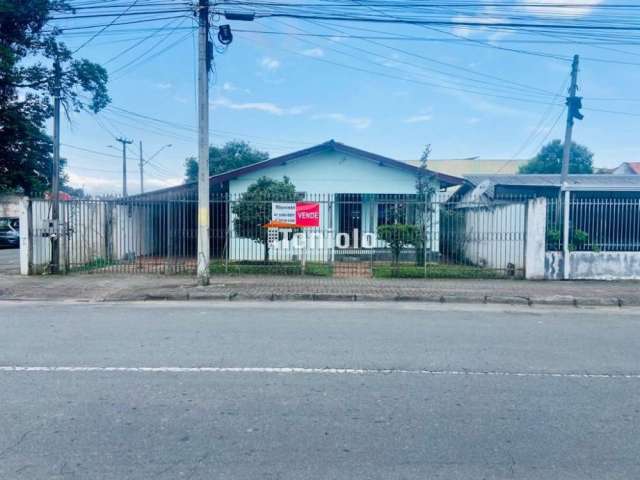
(115, 288)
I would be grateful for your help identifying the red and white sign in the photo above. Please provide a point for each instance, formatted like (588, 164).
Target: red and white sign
(301, 214)
(308, 214)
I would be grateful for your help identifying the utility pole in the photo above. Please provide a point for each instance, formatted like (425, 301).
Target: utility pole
(574, 104)
(124, 143)
(54, 267)
(204, 61)
(141, 164)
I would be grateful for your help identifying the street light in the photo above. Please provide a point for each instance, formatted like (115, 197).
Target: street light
(143, 162)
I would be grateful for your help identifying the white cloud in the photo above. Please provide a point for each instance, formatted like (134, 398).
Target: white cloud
(418, 118)
(228, 87)
(269, 63)
(266, 107)
(355, 122)
(570, 8)
(163, 85)
(98, 185)
(313, 52)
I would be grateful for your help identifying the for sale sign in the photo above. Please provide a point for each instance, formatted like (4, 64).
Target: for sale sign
(302, 214)
(308, 214)
(283, 212)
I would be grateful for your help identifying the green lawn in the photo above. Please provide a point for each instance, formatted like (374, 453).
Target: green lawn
(435, 270)
(271, 268)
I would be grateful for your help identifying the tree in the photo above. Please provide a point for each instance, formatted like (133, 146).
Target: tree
(549, 159)
(232, 155)
(399, 235)
(425, 191)
(27, 84)
(253, 210)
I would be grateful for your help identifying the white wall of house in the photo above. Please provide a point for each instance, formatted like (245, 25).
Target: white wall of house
(321, 177)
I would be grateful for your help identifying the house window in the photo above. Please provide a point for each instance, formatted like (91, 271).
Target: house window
(394, 209)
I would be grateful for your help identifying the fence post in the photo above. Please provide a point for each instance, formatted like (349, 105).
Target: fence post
(26, 237)
(565, 234)
(535, 238)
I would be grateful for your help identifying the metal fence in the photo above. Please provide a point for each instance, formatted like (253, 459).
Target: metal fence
(607, 224)
(348, 235)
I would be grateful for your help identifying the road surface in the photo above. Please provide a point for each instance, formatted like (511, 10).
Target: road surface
(308, 391)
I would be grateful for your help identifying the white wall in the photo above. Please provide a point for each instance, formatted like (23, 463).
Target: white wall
(86, 241)
(10, 205)
(594, 265)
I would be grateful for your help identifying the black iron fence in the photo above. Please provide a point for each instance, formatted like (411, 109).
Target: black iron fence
(338, 235)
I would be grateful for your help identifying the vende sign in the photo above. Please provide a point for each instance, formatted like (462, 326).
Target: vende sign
(308, 214)
(303, 214)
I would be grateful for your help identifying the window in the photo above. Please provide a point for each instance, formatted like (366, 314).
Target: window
(394, 209)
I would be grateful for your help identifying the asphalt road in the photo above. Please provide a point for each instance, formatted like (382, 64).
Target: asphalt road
(239, 391)
(9, 260)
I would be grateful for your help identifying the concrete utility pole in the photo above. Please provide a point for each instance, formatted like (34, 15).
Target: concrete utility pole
(573, 106)
(203, 142)
(54, 267)
(124, 143)
(141, 164)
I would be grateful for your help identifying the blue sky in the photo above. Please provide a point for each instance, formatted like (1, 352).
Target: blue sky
(285, 92)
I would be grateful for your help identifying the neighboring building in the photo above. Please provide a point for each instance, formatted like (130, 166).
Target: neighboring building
(627, 168)
(459, 167)
(496, 187)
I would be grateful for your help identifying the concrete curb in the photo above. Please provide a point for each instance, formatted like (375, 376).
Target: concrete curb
(200, 294)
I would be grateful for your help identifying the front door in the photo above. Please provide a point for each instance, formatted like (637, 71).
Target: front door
(350, 216)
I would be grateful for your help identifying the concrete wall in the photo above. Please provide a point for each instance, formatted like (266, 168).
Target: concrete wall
(594, 265)
(10, 205)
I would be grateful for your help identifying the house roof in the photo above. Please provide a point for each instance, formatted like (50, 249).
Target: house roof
(471, 166)
(634, 167)
(444, 179)
(485, 185)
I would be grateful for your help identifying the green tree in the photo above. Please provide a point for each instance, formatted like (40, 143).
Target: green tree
(425, 191)
(253, 210)
(398, 236)
(231, 155)
(27, 84)
(549, 159)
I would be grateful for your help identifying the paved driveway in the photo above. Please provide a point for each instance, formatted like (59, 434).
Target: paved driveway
(9, 260)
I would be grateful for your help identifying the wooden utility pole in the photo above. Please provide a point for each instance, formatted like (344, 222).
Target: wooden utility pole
(124, 143)
(54, 267)
(203, 142)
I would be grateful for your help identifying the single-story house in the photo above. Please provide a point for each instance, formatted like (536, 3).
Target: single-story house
(356, 191)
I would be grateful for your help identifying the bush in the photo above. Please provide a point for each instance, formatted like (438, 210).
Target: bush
(398, 236)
